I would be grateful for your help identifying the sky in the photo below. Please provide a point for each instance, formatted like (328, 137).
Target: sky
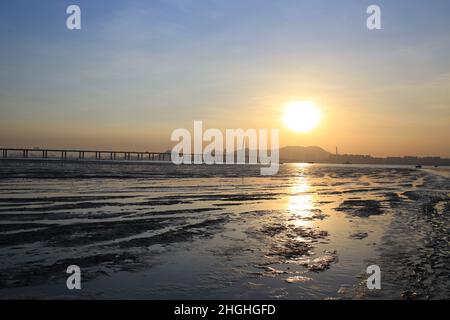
(137, 70)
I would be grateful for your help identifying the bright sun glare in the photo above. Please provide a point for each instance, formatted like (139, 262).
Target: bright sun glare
(301, 116)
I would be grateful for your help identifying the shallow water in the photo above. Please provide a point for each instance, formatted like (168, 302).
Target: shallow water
(155, 231)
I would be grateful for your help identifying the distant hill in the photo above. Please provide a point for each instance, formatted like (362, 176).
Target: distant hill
(317, 154)
(303, 154)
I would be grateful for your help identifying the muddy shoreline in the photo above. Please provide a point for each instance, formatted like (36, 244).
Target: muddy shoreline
(307, 233)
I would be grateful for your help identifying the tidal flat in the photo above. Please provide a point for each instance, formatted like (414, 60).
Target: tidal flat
(160, 231)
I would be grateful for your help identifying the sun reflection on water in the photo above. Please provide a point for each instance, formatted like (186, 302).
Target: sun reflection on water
(301, 204)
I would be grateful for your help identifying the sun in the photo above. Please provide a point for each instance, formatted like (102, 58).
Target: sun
(301, 116)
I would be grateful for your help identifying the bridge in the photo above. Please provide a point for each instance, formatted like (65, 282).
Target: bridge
(63, 154)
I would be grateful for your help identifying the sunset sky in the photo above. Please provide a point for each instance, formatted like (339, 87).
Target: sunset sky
(137, 70)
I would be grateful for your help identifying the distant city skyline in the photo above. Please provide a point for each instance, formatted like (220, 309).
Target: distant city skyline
(137, 70)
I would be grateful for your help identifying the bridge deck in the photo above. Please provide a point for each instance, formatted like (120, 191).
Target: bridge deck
(76, 154)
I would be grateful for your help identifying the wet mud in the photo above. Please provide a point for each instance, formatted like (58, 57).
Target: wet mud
(223, 232)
